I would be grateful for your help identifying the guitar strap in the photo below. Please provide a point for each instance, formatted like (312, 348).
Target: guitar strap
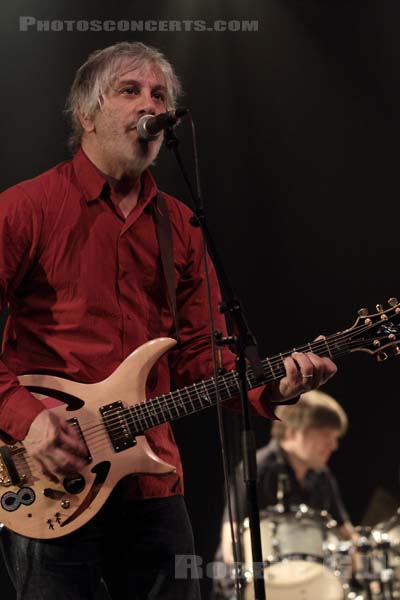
(164, 236)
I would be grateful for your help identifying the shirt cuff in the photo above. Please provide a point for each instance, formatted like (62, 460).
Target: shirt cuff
(17, 413)
(260, 399)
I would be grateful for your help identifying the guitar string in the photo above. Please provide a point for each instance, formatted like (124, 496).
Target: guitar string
(137, 419)
(98, 444)
(171, 399)
(102, 433)
(169, 403)
(144, 413)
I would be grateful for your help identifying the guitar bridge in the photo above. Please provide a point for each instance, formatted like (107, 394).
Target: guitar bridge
(75, 423)
(117, 426)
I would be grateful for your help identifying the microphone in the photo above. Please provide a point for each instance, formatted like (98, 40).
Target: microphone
(149, 127)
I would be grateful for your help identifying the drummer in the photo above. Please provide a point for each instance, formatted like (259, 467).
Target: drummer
(292, 468)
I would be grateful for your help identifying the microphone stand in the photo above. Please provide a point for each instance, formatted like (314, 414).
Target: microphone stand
(245, 345)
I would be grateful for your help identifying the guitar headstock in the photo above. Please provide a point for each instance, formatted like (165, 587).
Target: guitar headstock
(376, 332)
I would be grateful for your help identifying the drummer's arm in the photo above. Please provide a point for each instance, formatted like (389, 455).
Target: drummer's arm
(226, 542)
(347, 531)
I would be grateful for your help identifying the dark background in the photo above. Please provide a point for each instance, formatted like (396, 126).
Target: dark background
(298, 129)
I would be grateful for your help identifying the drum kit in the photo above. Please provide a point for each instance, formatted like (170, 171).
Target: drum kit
(305, 559)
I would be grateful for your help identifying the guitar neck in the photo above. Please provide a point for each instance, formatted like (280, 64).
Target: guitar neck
(202, 395)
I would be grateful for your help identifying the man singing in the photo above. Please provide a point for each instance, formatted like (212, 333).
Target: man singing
(81, 274)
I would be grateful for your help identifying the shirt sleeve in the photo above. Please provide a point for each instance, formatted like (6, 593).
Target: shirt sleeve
(19, 237)
(192, 361)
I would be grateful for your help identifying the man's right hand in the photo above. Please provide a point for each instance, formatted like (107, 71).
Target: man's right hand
(55, 446)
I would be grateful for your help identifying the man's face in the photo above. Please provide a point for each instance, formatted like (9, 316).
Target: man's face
(134, 92)
(315, 445)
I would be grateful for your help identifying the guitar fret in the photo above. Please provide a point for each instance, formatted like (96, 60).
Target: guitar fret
(143, 418)
(177, 396)
(168, 408)
(212, 394)
(197, 392)
(178, 393)
(184, 397)
(153, 415)
(152, 409)
(207, 397)
(249, 384)
(231, 385)
(270, 367)
(190, 399)
(224, 379)
(276, 369)
(236, 380)
(158, 411)
(328, 348)
(147, 409)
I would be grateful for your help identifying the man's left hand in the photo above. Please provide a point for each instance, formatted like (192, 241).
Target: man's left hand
(304, 372)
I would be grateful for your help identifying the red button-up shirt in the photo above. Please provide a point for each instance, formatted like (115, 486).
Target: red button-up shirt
(84, 287)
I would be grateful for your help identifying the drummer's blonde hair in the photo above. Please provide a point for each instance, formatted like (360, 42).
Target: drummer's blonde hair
(315, 409)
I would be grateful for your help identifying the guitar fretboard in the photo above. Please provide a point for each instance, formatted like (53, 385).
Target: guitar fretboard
(202, 395)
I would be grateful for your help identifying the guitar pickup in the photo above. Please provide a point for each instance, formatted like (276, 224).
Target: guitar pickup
(8, 472)
(117, 426)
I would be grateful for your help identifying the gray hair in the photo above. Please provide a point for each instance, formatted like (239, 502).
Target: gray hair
(97, 74)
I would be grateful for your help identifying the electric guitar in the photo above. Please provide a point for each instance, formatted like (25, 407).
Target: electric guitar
(113, 415)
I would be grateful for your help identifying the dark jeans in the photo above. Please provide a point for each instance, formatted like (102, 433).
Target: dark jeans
(127, 551)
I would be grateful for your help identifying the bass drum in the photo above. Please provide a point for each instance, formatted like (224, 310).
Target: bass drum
(298, 580)
(293, 551)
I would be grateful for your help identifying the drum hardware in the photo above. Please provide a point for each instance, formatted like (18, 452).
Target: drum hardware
(338, 557)
(373, 564)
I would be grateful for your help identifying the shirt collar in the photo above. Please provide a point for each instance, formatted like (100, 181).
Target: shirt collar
(92, 181)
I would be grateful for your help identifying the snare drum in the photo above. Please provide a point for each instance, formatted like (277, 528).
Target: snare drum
(293, 550)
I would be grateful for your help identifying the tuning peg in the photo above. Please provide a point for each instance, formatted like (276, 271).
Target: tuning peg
(381, 356)
(379, 307)
(363, 312)
(396, 351)
(393, 301)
